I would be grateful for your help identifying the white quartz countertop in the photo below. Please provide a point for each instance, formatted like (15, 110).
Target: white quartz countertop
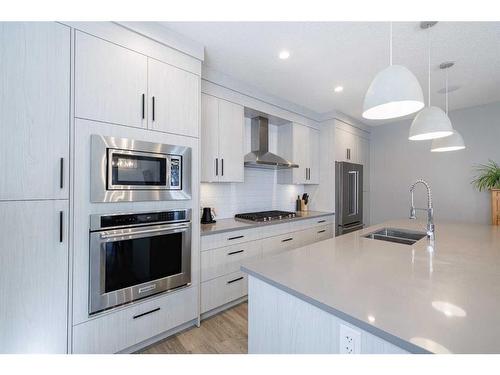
(230, 224)
(441, 298)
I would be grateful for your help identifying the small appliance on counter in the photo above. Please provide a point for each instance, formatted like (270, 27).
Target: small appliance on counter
(207, 217)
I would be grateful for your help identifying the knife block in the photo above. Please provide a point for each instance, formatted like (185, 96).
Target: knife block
(303, 205)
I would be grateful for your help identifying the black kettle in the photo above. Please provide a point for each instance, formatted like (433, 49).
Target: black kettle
(207, 216)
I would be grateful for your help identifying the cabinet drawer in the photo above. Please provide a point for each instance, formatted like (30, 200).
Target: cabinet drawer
(307, 223)
(277, 229)
(229, 238)
(279, 244)
(225, 260)
(222, 290)
(324, 232)
(120, 330)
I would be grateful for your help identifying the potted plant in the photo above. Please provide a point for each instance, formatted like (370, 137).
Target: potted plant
(488, 178)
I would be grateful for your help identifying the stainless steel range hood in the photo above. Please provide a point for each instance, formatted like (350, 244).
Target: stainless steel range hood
(260, 157)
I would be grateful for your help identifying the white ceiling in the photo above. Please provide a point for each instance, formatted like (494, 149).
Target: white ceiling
(327, 54)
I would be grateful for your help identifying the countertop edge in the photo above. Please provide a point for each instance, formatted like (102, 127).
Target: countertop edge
(399, 342)
(251, 225)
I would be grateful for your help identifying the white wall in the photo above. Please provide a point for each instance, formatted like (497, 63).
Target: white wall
(259, 192)
(397, 162)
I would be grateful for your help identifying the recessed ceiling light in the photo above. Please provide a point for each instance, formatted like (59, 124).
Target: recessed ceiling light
(284, 55)
(338, 89)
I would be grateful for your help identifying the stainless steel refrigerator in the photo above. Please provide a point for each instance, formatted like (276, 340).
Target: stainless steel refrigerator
(348, 197)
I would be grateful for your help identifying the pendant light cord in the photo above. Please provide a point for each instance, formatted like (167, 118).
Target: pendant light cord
(446, 89)
(390, 44)
(429, 63)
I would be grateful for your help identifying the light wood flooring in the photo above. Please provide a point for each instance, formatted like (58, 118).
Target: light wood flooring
(224, 333)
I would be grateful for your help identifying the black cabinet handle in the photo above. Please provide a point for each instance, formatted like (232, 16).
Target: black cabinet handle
(153, 108)
(321, 231)
(287, 239)
(143, 105)
(147, 313)
(234, 238)
(235, 252)
(61, 218)
(321, 221)
(348, 154)
(216, 166)
(61, 173)
(233, 281)
(222, 162)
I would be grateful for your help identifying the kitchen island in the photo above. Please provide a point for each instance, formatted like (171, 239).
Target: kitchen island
(429, 297)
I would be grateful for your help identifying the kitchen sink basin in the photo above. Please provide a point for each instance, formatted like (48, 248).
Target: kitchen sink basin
(402, 236)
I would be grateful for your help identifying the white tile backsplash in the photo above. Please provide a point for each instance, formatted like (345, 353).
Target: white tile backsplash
(259, 192)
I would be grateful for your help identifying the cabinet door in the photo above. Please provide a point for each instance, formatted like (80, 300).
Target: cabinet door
(231, 144)
(313, 175)
(209, 138)
(345, 146)
(33, 276)
(34, 110)
(176, 96)
(110, 82)
(364, 158)
(300, 153)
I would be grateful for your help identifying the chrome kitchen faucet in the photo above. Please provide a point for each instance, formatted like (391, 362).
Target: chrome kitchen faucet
(429, 209)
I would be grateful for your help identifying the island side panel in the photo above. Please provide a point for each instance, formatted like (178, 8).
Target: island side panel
(279, 322)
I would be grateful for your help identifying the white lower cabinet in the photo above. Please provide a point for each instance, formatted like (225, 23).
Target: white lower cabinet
(217, 292)
(34, 276)
(221, 259)
(120, 330)
(225, 260)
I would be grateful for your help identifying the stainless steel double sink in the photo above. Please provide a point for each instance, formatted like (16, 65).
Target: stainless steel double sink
(402, 236)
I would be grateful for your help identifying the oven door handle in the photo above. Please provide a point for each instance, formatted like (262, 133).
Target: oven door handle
(165, 229)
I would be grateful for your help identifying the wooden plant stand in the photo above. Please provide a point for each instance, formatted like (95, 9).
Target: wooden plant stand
(495, 206)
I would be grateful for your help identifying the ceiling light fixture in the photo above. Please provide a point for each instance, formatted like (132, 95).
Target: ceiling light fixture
(431, 122)
(455, 141)
(284, 55)
(394, 92)
(338, 89)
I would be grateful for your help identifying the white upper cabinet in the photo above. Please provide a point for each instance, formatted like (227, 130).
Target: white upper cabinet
(222, 140)
(300, 145)
(346, 146)
(110, 82)
(174, 99)
(34, 110)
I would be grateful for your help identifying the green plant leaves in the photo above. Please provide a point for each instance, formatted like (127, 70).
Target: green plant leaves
(488, 176)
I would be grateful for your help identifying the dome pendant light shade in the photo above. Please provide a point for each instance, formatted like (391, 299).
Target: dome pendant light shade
(430, 123)
(394, 92)
(452, 143)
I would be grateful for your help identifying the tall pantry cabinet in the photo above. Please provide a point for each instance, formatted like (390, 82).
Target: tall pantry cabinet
(34, 188)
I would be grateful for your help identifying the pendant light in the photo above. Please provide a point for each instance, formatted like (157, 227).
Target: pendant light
(455, 141)
(394, 92)
(431, 122)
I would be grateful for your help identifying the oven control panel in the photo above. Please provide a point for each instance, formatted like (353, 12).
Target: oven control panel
(125, 220)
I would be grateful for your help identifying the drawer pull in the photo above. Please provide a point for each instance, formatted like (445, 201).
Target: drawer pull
(235, 252)
(146, 313)
(321, 231)
(234, 238)
(322, 221)
(237, 279)
(287, 239)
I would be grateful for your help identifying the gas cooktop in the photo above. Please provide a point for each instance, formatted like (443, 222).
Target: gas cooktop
(266, 215)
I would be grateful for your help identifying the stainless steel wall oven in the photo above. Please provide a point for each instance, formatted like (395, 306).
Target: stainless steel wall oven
(128, 170)
(136, 255)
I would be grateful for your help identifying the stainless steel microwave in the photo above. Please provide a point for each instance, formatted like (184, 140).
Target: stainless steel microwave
(129, 170)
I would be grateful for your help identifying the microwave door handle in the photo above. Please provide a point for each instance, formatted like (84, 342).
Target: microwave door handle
(145, 231)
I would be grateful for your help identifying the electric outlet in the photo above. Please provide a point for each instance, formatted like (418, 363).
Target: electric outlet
(350, 340)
